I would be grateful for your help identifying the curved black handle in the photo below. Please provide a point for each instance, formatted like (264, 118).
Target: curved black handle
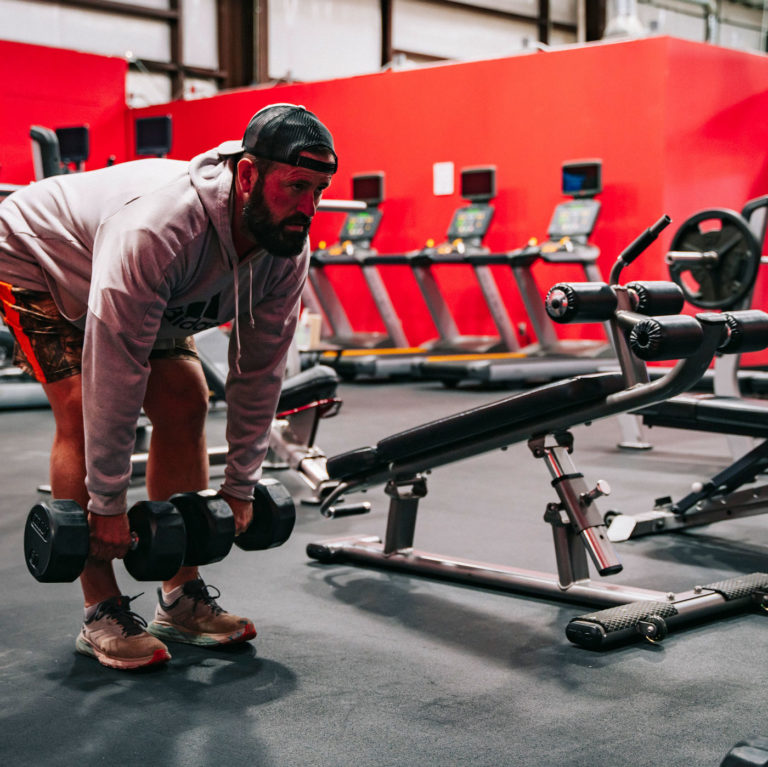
(637, 246)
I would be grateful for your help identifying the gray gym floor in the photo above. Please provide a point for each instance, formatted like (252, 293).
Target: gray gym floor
(362, 667)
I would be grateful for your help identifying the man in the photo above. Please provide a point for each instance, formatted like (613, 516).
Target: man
(104, 276)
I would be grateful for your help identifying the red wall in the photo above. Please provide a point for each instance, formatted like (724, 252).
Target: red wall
(679, 126)
(56, 89)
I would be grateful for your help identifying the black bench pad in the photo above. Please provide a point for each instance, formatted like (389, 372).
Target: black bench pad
(722, 415)
(511, 412)
(315, 383)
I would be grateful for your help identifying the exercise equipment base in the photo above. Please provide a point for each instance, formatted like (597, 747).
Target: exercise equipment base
(628, 607)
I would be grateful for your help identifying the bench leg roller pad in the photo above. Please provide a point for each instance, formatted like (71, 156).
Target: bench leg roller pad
(651, 619)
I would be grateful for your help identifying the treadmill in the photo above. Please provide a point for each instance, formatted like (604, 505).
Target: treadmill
(353, 249)
(550, 358)
(463, 246)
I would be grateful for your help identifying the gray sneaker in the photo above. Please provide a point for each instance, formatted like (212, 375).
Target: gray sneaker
(115, 636)
(196, 618)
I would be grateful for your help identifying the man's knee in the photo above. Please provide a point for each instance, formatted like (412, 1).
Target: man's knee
(66, 399)
(177, 397)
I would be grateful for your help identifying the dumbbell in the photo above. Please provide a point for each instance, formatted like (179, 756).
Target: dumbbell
(274, 516)
(56, 541)
(191, 529)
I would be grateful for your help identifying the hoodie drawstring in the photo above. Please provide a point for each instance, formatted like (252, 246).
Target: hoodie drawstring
(237, 322)
(251, 321)
(250, 295)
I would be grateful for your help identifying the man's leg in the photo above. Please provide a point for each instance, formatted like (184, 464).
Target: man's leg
(50, 349)
(177, 405)
(67, 469)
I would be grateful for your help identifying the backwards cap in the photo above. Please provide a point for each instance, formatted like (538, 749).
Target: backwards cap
(281, 132)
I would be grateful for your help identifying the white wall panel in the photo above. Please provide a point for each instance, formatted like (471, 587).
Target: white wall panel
(199, 34)
(198, 88)
(455, 33)
(558, 38)
(103, 33)
(664, 21)
(528, 7)
(563, 10)
(143, 89)
(741, 38)
(323, 39)
(738, 26)
(158, 4)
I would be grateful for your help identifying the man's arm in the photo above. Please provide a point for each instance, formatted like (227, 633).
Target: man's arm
(129, 293)
(255, 380)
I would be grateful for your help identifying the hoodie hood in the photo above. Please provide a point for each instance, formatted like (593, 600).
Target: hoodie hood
(212, 176)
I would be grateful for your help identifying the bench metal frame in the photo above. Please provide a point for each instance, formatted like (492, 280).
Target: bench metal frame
(577, 525)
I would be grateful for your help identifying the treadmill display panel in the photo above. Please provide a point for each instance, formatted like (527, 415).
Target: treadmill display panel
(360, 225)
(575, 218)
(470, 221)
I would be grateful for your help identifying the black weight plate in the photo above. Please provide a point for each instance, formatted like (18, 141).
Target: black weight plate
(210, 527)
(159, 551)
(724, 284)
(56, 541)
(274, 515)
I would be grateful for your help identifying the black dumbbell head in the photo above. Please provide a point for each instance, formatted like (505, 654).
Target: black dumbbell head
(210, 526)
(159, 550)
(274, 515)
(56, 541)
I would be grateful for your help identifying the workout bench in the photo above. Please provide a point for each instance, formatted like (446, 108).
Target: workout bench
(542, 417)
(305, 398)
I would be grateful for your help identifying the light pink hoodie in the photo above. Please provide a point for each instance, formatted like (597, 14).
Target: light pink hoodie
(143, 251)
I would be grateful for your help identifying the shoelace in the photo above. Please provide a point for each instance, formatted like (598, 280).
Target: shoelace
(119, 610)
(202, 593)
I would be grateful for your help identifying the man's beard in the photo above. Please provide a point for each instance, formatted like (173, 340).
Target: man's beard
(271, 234)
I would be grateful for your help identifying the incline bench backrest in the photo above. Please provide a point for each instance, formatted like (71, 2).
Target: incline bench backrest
(517, 414)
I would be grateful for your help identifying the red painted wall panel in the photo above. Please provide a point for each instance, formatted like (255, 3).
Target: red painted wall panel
(56, 88)
(525, 115)
(679, 126)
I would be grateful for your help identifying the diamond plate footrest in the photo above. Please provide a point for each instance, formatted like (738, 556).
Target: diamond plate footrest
(651, 619)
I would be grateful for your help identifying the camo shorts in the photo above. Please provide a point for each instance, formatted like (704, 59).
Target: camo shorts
(48, 347)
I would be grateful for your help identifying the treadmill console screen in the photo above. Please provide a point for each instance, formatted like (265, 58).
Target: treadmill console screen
(478, 183)
(153, 135)
(360, 225)
(73, 144)
(471, 221)
(574, 218)
(582, 179)
(368, 188)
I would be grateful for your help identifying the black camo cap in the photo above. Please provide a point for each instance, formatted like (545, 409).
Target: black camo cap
(281, 132)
